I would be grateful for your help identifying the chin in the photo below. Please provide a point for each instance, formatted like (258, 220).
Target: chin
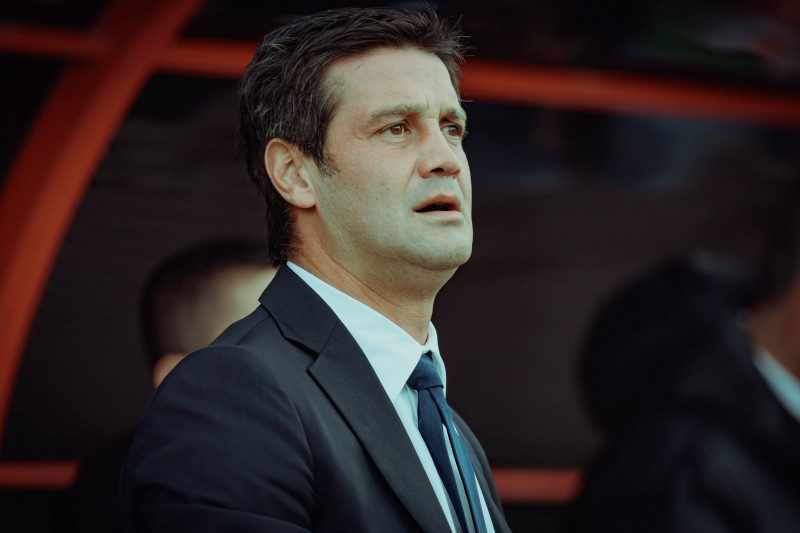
(450, 260)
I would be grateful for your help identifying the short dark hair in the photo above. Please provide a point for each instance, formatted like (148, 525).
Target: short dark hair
(174, 288)
(284, 94)
(648, 334)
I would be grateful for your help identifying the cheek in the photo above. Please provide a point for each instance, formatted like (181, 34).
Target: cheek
(465, 181)
(375, 177)
(379, 177)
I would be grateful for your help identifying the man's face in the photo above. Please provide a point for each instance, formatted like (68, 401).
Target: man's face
(400, 194)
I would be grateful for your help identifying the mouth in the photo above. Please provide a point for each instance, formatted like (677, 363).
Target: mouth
(438, 203)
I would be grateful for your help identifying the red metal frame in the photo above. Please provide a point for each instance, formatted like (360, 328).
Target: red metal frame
(50, 475)
(488, 81)
(625, 93)
(33, 40)
(213, 59)
(111, 64)
(514, 485)
(56, 164)
(539, 485)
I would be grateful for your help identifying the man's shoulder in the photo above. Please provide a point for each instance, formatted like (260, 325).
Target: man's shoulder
(250, 349)
(257, 327)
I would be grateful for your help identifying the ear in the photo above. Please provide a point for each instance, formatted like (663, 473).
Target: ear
(287, 168)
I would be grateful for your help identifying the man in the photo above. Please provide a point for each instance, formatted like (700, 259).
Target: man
(701, 409)
(324, 409)
(187, 301)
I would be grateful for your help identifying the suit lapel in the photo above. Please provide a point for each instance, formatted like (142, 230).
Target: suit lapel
(344, 373)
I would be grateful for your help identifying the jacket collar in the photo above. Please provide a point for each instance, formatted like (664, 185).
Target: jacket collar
(341, 369)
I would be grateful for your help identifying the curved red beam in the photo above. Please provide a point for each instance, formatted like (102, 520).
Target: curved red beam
(58, 159)
(514, 485)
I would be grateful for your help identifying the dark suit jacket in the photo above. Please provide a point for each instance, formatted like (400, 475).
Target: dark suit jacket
(282, 425)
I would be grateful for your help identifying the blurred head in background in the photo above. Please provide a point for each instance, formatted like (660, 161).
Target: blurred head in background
(647, 338)
(194, 295)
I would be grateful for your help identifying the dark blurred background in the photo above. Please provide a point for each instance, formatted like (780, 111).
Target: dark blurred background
(572, 197)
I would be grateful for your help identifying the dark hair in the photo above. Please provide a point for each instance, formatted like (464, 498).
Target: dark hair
(649, 334)
(172, 294)
(284, 93)
(779, 265)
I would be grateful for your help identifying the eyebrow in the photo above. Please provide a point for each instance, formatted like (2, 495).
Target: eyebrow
(413, 108)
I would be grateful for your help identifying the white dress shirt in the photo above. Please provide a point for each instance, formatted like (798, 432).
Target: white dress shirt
(394, 355)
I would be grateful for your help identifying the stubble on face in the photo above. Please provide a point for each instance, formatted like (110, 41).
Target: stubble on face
(376, 177)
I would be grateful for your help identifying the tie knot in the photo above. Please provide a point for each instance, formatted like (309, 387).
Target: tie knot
(424, 375)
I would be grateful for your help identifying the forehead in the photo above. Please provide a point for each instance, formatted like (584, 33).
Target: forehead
(368, 81)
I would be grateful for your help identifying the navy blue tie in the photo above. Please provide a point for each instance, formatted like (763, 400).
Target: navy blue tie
(433, 412)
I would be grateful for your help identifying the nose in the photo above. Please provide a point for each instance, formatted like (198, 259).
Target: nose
(437, 156)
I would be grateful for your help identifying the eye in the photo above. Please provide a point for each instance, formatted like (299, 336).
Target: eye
(397, 129)
(454, 130)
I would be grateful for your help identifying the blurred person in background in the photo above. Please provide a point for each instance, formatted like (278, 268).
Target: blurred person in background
(193, 296)
(186, 302)
(692, 373)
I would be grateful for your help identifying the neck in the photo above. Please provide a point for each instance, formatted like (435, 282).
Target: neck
(409, 305)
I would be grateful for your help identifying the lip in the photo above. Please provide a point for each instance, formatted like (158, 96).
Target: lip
(454, 205)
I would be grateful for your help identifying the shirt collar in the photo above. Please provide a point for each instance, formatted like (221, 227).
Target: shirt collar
(391, 351)
(784, 385)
